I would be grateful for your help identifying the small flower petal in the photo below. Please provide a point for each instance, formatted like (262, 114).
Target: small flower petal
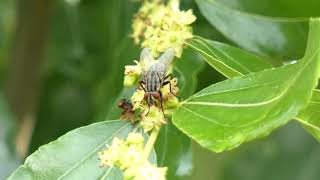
(150, 172)
(152, 118)
(132, 73)
(137, 99)
(163, 26)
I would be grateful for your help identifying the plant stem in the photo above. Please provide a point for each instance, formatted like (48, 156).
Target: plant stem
(150, 143)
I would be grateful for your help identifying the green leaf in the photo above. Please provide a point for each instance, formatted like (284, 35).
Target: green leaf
(263, 26)
(232, 61)
(174, 151)
(310, 116)
(188, 67)
(75, 154)
(228, 60)
(226, 114)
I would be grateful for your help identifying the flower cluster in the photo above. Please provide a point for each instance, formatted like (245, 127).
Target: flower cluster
(162, 26)
(170, 92)
(154, 116)
(132, 74)
(148, 172)
(128, 156)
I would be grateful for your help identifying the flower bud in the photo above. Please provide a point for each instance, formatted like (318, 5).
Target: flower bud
(162, 26)
(110, 157)
(149, 171)
(131, 157)
(135, 139)
(132, 74)
(137, 99)
(152, 118)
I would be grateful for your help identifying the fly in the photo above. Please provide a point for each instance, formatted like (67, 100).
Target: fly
(154, 75)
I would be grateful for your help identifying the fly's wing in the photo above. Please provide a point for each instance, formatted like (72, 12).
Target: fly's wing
(146, 60)
(166, 58)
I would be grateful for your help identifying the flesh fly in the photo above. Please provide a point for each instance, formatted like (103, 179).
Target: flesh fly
(154, 75)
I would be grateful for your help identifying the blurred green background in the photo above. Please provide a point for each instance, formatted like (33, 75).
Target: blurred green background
(61, 67)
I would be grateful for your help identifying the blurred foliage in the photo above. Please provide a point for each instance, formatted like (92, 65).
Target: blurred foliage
(263, 27)
(7, 15)
(88, 48)
(288, 153)
(8, 160)
(278, 157)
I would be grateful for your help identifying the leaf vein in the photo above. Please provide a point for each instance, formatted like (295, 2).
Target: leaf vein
(92, 152)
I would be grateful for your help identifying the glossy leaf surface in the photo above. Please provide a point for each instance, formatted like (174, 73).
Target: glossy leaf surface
(263, 26)
(240, 109)
(232, 61)
(75, 154)
(310, 116)
(228, 60)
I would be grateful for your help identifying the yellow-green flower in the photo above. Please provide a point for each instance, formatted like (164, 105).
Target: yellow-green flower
(152, 117)
(135, 139)
(146, 171)
(132, 74)
(128, 156)
(162, 26)
(170, 102)
(151, 172)
(171, 89)
(137, 99)
(122, 153)
(132, 157)
(112, 155)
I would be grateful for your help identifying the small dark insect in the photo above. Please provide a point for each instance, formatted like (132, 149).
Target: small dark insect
(154, 75)
(127, 113)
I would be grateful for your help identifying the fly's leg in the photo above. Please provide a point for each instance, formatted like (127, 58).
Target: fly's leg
(149, 102)
(161, 105)
(148, 110)
(170, 89)
(142, 84)
(168, 76)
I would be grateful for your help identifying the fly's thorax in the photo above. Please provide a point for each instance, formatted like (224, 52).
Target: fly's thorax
(152, 81)
(154, 77)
